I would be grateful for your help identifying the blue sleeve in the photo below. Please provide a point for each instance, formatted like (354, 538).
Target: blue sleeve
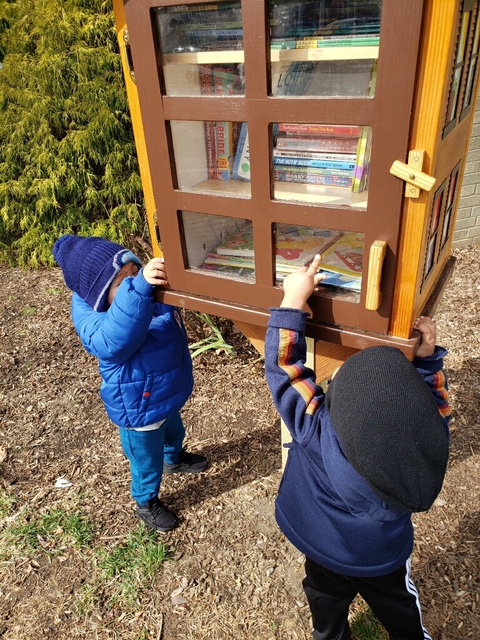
(292, 384)
(116, 334)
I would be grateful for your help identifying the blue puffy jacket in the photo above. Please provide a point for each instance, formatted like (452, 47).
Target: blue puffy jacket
(142, 348)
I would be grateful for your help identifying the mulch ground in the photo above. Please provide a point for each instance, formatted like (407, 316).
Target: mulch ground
(232, 574)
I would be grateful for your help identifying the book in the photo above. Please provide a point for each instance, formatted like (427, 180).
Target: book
(362, 161)
(334, 279)
(345, 255)
(308, 162)
(226, 134)
(324, 144)
(296, 245)
(241, 163)
(292, 242)
(314, 155)
(311, 43)
(306, 178)
(320, 129)
(349, 173)
(239, 243)
(229, 270)
(226, 80)
(206, 88)
(213, 258)
(294, 79)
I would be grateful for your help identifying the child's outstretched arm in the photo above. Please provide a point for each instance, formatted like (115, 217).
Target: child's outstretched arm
(299, 286)
(429, 363)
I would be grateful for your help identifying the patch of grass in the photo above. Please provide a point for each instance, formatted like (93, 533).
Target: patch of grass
(365, 626)
(29, 311)
(52, 533)
(54, 290)
(124, 571)
(213, 340)
(7, 504)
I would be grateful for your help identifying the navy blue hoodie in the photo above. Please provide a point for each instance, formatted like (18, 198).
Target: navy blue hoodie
(324, 506)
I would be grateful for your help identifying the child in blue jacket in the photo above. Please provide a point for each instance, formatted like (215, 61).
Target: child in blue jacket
(144, 361)
(363, 457)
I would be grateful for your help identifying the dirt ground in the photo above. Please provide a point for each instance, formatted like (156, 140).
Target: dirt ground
(233, 575)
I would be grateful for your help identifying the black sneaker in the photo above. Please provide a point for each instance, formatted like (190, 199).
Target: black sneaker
(156, 515)
(186, 463)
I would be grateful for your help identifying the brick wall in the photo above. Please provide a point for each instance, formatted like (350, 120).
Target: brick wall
(467, 229)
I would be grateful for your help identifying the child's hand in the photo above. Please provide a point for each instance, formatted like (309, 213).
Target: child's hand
(428, 329)
(299, 286)
(154, 272)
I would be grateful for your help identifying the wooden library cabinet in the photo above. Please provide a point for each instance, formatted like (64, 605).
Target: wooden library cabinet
(269, 130)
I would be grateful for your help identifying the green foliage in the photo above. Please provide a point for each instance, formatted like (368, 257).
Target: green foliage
(213, 340)
(67, 156)
(51, 533)
(127, 569)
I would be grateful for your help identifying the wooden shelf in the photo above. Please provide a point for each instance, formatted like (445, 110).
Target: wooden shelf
(287, 191)
(276, 55)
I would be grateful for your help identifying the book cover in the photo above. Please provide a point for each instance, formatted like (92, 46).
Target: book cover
(295, 80)
(351, 282)
(239, 243)
(324, 144)
(307, 162)
(320, 129)
(345, 256)
(295, 246)
(241, 163)
(226, 80)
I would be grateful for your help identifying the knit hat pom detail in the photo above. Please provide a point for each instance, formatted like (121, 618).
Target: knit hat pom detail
(89, 266)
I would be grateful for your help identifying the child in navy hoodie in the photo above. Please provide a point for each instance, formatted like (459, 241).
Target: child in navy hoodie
(363, 457)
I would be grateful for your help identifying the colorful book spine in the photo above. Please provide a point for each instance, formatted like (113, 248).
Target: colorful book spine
(325, 144)
(347, 173)
(362, 161)
(312, 178)
(308, 162)
(241, 164)
(320, 129)
(314, 155)
(206, 88)
(216, 33)
(225, 138)
(308, 43)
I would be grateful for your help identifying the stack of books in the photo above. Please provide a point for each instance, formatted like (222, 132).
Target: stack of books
(324, 155)
(202, 27)
(295, 246)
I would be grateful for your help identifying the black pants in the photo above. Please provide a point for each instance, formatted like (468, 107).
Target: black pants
(392, 598)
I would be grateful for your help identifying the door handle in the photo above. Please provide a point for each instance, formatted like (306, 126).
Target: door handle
(375, 263)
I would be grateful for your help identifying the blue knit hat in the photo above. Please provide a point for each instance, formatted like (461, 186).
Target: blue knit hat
(90, 265)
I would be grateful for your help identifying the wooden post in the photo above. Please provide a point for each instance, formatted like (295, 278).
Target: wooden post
(323, 357)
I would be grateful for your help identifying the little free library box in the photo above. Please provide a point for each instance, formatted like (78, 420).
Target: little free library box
(268, 131)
